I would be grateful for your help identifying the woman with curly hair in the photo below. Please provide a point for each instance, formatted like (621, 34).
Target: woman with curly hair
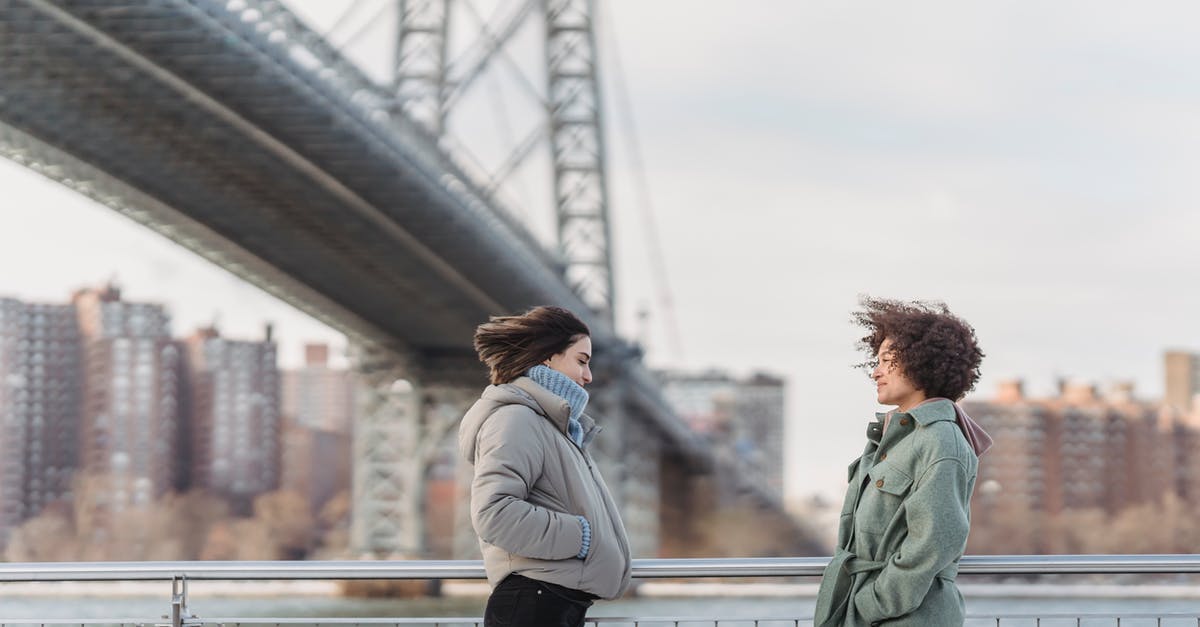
(906, 516)
(551, 537)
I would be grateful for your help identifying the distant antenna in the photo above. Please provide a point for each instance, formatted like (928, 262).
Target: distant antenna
(112, 289)
(642, 333)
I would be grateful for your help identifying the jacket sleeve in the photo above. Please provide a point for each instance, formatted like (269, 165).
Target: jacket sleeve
(938, 524)
(508, 461)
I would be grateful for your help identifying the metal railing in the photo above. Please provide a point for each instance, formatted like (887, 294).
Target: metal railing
(178, 574)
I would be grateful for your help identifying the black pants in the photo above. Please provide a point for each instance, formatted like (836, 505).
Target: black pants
(523, 602)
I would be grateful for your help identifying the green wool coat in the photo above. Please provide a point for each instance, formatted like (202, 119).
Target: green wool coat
(903, 526)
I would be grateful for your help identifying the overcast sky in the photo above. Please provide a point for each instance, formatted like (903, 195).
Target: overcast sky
(1033, 165)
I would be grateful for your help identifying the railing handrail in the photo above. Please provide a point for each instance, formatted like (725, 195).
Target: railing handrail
(642, 568)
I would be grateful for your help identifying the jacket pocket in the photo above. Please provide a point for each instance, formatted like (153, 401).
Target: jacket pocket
(594, 547)
(882, 497)
(943, 605)
(590, 563)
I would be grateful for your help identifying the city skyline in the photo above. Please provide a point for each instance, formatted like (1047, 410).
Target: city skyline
(112, 418)
(295, 346)
(1044, 191)
(1032, 433)
(108, 415)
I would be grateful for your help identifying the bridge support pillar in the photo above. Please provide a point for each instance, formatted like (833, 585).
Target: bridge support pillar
(403, 436)
(627, 452)
(385, 518)
(707, 514)
(641, 488)
(448, 500)
(466, 543)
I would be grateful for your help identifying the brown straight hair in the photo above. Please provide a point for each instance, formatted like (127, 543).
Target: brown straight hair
(510, 345)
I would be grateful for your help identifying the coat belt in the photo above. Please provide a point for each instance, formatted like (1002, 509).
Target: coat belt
(831, 608)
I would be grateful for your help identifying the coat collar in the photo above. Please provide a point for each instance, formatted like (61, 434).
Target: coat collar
(930, 411)
(552, 406)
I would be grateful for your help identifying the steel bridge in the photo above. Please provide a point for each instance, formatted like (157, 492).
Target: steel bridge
(238, 132)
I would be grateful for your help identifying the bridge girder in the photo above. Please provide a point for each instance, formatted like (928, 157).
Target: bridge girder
(246, 139)
(202, 113)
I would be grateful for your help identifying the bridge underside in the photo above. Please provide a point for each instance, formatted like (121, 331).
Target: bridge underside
(242, 136)
(227, 135)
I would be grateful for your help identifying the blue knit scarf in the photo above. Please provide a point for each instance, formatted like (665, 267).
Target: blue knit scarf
(571, 392)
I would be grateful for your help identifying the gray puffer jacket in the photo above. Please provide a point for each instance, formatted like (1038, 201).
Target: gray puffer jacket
(531, 482)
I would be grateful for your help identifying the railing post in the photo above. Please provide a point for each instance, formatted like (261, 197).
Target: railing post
(178, 600)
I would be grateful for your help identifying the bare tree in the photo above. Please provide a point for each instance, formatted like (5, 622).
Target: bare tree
(288, 522)
(48, 537)
(333, 528)
(188, 517)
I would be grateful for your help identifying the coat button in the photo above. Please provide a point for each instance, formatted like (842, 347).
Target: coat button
(879, 484)
(904, 422)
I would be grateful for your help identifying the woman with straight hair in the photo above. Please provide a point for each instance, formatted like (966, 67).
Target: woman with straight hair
(907, 513)
(551, 537)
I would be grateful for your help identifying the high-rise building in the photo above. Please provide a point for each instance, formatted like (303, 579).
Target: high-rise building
(131, 424)
(705, 401)
(759, 407)
(12, 435)
(1182, 371)
(743, 415)
(318, 396)
(1078, 450)
(1015, 476)
(316, 464)
(235, 434)
(40, 390)
(318, 412)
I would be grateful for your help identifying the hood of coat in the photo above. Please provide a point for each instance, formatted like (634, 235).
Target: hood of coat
(522, 391)
(938, 408)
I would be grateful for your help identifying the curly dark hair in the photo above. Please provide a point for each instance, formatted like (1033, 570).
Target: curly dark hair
(511, 345)
(935, 349)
